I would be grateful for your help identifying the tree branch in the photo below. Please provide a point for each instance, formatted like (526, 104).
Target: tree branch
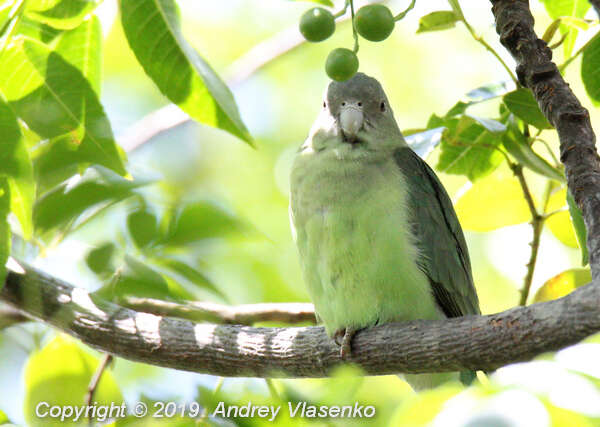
(474, 342)
(535, 70)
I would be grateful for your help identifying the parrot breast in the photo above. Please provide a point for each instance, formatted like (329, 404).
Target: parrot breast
(350, 223)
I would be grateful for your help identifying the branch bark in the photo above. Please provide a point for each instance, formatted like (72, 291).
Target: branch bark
(474, 342)
(535, 70)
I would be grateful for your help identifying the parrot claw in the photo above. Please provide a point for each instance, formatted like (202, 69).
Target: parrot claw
(343, 338)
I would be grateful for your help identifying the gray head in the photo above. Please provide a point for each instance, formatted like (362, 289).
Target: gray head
(357, 112)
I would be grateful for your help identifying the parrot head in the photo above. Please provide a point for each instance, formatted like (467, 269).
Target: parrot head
(356, 115)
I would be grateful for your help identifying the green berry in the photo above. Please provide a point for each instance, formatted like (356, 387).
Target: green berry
(317, 24)
(341, 64)
(374, 22)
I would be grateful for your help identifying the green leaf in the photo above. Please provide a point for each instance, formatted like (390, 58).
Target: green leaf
(562, 284)
(68, 201)
(60, 374)
(567, 8)
(82, 48)
(200, 220)
(54, 99)
(467, 148)
(153, 32)
(4, 228)
(190, 274)
(16, 165)
(516, 144)
(3, 418)
(590, 70)
(551, 30)
(62, 14)
(493, 202)
(477, 95)
(436, 21)
(99, 259)
(523, 105)
(579, 225)
(143, 228)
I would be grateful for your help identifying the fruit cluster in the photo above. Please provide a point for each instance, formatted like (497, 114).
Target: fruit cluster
(373, 22)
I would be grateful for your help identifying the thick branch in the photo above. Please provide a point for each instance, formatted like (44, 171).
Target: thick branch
(535, 70)
(476, 342)
(244, 314)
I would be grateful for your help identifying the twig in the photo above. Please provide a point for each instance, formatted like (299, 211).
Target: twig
(565, 64)
(245, 314)
(456, 7)
(95, 381)
(354, 32)
(537, 224)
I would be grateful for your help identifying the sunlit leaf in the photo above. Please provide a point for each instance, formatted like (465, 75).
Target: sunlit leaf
(54, 99)
(421, 409)
(436, 21)
(59, 374)
(551, 30)
(16, 165)
(154, 34)
(81, 47)
(200, 220)
(590, 64)
(493, 202)
(467, 148)
(523, 105)
(99, 259)
(579, 225)
(68, 201)
(562, 284)
(63, 14)
(479, 94)
(516, 144)
(567, 8)
(3, 417)
(4, 228)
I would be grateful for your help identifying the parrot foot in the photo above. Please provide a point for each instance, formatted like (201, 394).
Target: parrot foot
(343, 338)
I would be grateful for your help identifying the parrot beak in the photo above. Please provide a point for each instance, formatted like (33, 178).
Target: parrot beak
(351, 121)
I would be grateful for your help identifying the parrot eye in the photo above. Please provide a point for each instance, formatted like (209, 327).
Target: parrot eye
(324, 104)
(360, 104)
(382, 106)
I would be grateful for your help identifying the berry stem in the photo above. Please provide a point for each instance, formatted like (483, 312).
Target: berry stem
(405, 11)
(354, 33)
(343, 11)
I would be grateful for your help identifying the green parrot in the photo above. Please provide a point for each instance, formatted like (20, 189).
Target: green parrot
(377, 235)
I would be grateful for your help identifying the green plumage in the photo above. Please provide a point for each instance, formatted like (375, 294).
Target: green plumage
(378, 237)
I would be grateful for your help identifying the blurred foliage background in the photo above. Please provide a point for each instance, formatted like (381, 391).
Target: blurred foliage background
(203, 215)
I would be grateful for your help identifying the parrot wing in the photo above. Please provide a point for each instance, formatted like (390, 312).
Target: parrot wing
(443, 254)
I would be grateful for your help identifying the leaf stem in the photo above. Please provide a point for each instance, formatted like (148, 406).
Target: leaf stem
(402, 14)
(456, 8)
(564, 65)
